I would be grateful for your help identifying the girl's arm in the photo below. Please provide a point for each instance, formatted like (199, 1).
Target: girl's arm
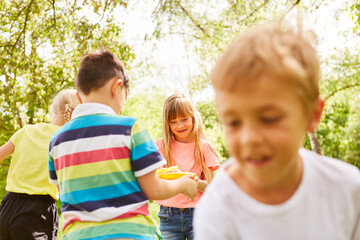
(202, 184)
(6, 150)
(156, 188)
(212, 160)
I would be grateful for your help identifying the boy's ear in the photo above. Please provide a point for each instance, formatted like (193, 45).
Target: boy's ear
(316, 115)
(78, 97)
(115, 86)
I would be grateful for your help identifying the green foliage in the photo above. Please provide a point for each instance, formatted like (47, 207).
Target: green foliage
(340, 121)
(353, 135)
(354, 10)
(213, 128)
(208, 26)
(333, 127)
(148, 109)
(41, 43)
(208, 32)
(340, 128)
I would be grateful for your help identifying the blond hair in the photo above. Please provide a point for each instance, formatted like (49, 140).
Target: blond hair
(267, 51)
(64, 103)
(178, 105)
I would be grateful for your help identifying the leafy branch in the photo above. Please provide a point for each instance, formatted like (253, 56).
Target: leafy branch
(24, 28)
(342, 89)
(255, 10)
(192, 19)
(289, 10)
(54, 12)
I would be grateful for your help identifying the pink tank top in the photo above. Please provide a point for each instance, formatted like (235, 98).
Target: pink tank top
(183, 156)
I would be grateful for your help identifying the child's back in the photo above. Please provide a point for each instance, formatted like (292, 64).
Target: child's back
(26, 173)
(105, 164)
(29, 209)
(100, 156)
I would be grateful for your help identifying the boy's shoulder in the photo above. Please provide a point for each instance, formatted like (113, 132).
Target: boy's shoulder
(330, 168)
(43, 127)
(93, 120)
(106, 116)
(98, 123)
(121, 119)
(36, 125)
(322, 160)
(101, 112)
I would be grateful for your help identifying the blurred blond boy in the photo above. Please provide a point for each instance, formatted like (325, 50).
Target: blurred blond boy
(267, 94)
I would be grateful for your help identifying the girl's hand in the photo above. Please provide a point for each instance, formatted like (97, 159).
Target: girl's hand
(189, 187)
(202, 184)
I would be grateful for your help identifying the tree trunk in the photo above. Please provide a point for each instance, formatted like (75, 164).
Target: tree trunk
(315, 143)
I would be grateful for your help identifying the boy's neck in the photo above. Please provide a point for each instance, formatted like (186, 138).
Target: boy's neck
(98, 98)
(275, 192)
(110, 94)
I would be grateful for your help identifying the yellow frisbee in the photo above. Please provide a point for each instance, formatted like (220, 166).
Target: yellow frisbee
(175, 175)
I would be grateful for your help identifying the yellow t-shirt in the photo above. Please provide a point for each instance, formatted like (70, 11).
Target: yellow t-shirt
(28, 171)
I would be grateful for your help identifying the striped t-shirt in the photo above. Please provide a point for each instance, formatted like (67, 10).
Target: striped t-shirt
(95, 159)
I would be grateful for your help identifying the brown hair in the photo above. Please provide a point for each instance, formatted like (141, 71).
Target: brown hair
(268, 51)
(97, 68)
(178, 105)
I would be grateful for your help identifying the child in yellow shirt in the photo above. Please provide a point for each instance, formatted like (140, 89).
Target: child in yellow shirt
(28, 211)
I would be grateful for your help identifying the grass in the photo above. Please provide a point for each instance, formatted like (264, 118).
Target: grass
(153, 209)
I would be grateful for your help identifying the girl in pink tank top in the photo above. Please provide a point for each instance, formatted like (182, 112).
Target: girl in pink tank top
(184, 144)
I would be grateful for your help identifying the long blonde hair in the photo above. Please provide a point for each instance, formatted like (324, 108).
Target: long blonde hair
(64, 103)
(178, 105)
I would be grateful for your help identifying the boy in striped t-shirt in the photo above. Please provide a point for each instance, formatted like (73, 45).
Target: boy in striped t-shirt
(105, 164)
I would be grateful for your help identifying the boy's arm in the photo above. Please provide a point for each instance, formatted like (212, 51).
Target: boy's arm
(146, 156)
(156, 188)
(6, 150)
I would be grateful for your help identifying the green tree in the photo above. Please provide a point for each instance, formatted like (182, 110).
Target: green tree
(340, 87)
(353, 135)
(213, 128)
(41, 43)
(148, 109)
(209, 26)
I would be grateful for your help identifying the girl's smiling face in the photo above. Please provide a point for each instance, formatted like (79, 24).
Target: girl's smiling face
(182, 127)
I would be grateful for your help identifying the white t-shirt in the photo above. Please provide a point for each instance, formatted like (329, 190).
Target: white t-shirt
(326, 206)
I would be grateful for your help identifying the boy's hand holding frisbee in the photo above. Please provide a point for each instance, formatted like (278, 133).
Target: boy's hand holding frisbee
(174, 173)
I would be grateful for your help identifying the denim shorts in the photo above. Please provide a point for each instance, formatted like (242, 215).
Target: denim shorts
(176, 223)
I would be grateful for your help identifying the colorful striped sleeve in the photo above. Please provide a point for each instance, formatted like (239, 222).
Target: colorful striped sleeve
(145, 156)
(52, 172)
